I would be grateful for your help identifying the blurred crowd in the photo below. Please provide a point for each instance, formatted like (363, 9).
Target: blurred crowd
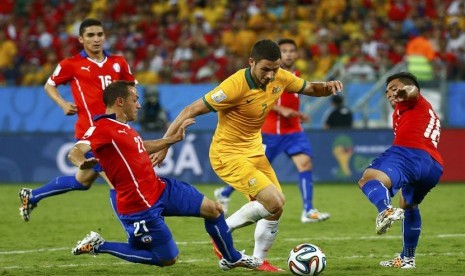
(195, 41)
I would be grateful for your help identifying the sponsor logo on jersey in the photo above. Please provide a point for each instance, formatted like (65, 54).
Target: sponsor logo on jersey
(122, 131)
(86, 68)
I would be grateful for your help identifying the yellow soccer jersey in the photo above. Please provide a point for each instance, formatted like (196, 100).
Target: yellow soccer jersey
(242, 108)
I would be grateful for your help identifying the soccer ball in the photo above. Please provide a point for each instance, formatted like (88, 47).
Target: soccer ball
(306, 259)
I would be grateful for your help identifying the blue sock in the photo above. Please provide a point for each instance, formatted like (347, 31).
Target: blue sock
(227, 191)
(378, 194)
(219, 232)
(56, 186)
(306, 189)
(126, 252)
(411, 231)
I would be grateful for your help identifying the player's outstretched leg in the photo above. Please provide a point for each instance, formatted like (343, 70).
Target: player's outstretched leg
(26, 204)
(89, 244)
(59, 185)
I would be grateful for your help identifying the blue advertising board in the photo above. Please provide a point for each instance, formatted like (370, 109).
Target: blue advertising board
(339, 156)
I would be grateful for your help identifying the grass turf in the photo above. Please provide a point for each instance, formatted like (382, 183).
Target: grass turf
(42, 246)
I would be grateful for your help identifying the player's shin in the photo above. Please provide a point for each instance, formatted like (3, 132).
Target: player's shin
(378, 194)
(411, 231)
(219, 232)
(56, 186)
(265, 234)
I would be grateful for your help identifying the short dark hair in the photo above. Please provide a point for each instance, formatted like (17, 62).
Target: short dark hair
(405, 77)
(265, 49)
(87, 23)
(116, 89)
(287, 41)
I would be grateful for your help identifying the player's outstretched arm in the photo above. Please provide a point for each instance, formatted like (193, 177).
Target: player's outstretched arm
(153, 146)
(77, 158)
(322, 89)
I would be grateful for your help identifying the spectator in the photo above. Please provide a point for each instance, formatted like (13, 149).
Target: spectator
(153, 117)
(340, 116)
(8, 51)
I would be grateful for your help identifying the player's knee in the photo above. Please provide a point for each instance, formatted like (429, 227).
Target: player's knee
(210, 209)
(168, 262)
(275, 204)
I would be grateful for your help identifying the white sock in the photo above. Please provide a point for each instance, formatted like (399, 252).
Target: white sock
(246, 215)
(265, 234)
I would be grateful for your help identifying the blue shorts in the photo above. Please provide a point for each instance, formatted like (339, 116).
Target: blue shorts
(147, 230)
(291, 144)
(412, 170)
(97, 168)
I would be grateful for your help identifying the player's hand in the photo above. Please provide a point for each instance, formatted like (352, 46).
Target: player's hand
(69, 108)
(405, 93)
(334, 86)
(287, 112)
(158, 157)
(323, 89)
(88, 163)
(182, 129)
(304, 117)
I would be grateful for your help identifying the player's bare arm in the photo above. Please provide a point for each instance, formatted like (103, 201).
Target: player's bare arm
(191, 111)
(153, 146)
(69, 108)
(322, 89)
(77, 158)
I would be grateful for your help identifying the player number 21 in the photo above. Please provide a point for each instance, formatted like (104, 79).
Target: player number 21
(140, 228)
(140, 144)
(433, 130)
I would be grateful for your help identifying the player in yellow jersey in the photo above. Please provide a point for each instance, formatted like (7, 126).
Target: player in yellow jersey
(242, 102)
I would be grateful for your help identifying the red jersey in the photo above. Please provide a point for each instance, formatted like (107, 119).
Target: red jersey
(277, 124)
(416, 125)
(88, 79)
(127, 164)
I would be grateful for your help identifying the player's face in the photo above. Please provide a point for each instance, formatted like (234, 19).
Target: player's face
(264, 71)
(392, 90)
(93, 39)
(288, 55)
(131, 105)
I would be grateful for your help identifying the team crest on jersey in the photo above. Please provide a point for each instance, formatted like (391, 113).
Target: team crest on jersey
(89, 132)
(276, 89)
(252, 182)
(218, 96)
(116, 67)
(146, 239)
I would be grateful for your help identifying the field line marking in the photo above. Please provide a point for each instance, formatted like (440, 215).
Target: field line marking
(443, 236)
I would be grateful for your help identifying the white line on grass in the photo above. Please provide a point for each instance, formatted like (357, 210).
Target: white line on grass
(440, 236)
(93, 264)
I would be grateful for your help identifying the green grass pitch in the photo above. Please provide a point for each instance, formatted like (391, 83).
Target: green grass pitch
(42, 246)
